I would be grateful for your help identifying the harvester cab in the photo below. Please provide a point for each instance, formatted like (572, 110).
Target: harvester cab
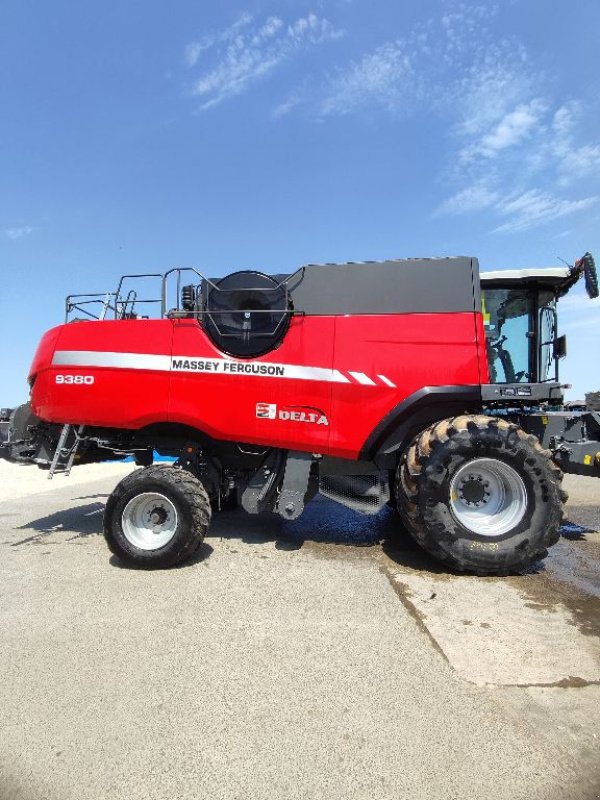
(520, 319)
(520, 314)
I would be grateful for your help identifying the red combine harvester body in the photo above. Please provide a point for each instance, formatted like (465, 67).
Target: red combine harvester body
(367, 382)
(349, 370)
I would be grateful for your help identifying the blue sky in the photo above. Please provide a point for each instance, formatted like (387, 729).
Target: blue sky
(136, 136)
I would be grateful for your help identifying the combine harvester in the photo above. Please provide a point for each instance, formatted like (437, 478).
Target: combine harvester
(416, 382)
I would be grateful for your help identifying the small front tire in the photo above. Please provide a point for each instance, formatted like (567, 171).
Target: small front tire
(156, 517)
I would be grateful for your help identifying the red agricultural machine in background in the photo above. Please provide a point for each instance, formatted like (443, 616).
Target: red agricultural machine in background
(416, 382)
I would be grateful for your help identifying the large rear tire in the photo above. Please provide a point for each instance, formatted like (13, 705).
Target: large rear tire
(156, 517)
(480, 495)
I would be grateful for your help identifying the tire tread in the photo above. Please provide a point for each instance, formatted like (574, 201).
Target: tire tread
(412, 471)
(198, 506)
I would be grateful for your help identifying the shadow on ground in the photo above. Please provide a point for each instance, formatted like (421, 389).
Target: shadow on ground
(81, 521)
(329, 528)
(201, 554)
(331, 531)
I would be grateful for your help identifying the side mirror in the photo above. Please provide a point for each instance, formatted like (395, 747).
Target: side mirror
(560, 347)
(590, 275)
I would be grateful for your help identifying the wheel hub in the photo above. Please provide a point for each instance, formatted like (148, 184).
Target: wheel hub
(473, 490)
(149, 521)
(158, 516)
(488, 496)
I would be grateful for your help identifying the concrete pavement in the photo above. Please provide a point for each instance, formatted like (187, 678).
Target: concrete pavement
(289, 661)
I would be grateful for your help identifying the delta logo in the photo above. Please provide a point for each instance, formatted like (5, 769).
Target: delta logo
(313, 416)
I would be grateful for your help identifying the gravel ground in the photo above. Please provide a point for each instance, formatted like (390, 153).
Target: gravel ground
(288, 660)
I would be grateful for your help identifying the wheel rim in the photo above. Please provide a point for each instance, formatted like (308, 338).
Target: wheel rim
(488, 497)
(149, 521)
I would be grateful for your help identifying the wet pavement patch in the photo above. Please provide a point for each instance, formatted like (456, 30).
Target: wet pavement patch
(576, 564)
(571, 530)
(492, 634)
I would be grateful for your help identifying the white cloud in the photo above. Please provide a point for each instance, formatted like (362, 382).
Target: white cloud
(523, 210)
(515, 126)
(564, 119)
(249, 51)
(473, 198)
(429, 65)
(451, 66)
(284, 108)
(581, 161)
(512, 128)
(383, 77)
(513, 149)
(495, 80)
(315, 29)
(573, 161)
(18, 232)
(194, 50)
(534, 207)
(516, 148)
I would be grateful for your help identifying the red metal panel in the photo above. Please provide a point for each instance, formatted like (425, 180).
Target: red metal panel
(225, 405)
(44, 352)
(377, 361)
(118, 397)
(412, 351)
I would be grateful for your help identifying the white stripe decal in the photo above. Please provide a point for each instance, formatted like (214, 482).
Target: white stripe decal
(92, 358)
(226, 366)
(363, 379)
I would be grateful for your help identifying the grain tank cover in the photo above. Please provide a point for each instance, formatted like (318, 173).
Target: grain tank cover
(403, 286)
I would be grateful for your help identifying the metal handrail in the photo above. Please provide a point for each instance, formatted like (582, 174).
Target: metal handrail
(94, 299)
(180, 270)
(122, 304)
(115, 303)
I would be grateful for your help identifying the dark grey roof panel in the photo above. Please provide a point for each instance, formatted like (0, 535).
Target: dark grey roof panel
(418, 285)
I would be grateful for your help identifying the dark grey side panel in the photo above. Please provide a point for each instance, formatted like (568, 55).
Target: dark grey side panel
(476, 284)
(417, 285)
(521, 393)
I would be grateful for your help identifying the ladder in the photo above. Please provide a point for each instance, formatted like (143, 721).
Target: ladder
(63, 457)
